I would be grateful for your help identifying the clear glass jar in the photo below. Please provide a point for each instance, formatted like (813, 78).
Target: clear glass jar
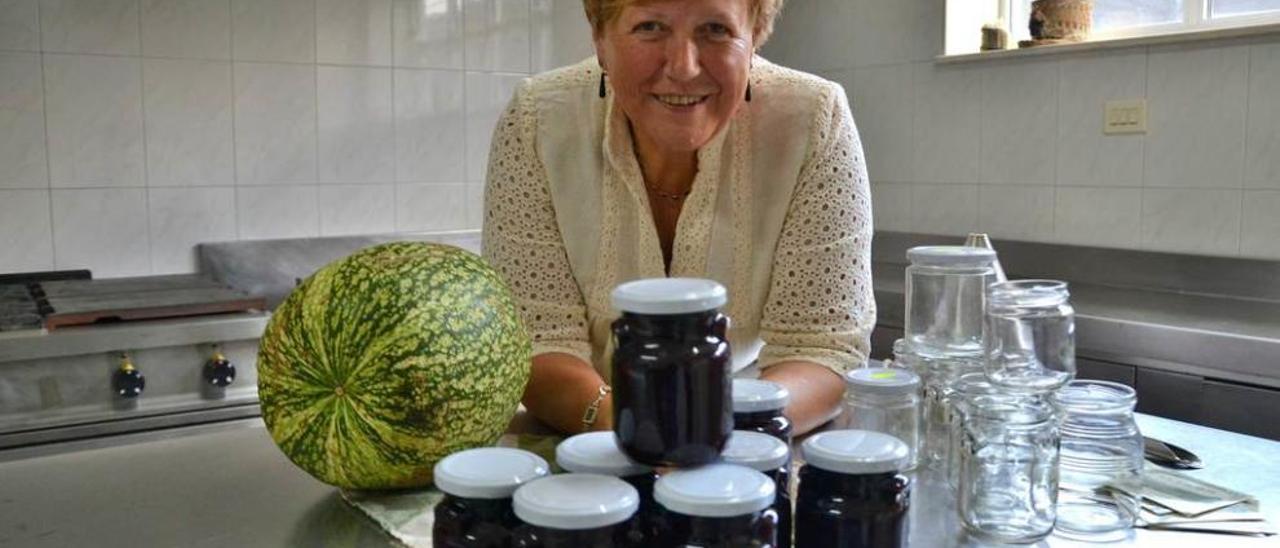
(672, 397)
(1030, 341)
(886, 400)
(946, 289)
(1100, 444)
(1009, 468)
(937, 375)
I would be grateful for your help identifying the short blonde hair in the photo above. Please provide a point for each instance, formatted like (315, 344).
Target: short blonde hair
(763, 12)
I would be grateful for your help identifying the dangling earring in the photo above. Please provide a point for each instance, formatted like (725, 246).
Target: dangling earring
(602, 75)
(748, 92)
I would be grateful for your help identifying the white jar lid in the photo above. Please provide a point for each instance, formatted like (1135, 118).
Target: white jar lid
(756, 450)
(856, 452)
(669, 296)
(883, 381)
(576, 501)
(488, 472)
(597, 453)
(951, 255)
(755, 395)
(714, 491)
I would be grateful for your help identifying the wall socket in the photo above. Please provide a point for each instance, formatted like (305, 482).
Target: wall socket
(1125, 117)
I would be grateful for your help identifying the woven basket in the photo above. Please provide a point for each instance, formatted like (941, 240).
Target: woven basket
(1068, 20)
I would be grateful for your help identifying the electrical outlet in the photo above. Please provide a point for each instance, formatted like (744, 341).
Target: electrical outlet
(1123, 117)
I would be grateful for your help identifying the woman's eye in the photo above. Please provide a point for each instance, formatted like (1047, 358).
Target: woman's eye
(647, 26)
(717, 29)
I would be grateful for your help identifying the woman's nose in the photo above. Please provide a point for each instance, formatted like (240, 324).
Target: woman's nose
(682, 60)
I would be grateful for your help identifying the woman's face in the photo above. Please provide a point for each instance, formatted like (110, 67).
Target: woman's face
(678, 67)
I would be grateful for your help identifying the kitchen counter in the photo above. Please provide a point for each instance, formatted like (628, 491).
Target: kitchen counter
(227, 485)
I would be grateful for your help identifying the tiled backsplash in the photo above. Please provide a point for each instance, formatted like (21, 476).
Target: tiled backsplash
(1015, 147)
(131, 130)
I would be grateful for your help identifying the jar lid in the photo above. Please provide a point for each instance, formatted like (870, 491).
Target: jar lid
(951, 255)
(856, 452)
(755, 395)
(597, 453)
(715, 491)
(884, 381)
(756, 450)
(669, 296)
(488, 472)
(576, 501)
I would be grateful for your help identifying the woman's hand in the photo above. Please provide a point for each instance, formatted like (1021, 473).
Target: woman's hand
(560, 389)
(816, 393)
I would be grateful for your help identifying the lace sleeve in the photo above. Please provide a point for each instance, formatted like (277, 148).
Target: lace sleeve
(821, 307)
(522, 240)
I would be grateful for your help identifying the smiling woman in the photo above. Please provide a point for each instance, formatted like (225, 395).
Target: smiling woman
(676, 151)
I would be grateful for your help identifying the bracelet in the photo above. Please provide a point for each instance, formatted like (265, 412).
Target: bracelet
(593, 409)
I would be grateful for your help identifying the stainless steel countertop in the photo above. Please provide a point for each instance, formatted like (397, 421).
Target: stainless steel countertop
(228, 485)
(1219, 337)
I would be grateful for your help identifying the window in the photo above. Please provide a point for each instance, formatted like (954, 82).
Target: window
(1111, 18)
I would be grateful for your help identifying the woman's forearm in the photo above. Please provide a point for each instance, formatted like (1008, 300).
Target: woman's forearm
(561, 387)
(816, 393)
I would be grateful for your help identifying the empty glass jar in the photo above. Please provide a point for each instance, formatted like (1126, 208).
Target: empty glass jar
(1009, 469)
(937, 375)
(1030, 341)
(946, 298)
(966, 390)
(1100, 444)
(886, 400)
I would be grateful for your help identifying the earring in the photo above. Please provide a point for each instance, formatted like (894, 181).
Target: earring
(602, 75)
(748, 92)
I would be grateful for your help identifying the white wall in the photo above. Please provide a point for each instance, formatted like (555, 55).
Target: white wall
(132, 129)
(1015, 148)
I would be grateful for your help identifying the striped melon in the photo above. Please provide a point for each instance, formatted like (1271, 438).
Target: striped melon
(384, 362)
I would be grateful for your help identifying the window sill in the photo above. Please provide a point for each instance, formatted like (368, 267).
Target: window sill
(1112, 43)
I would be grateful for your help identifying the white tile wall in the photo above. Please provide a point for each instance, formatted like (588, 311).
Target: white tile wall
(22, 152)
(93, 111)
(1015, 147)
(194, 29)
(188, 122)
(19, 25)
(357, 126)
(173, 122)
(90, 26)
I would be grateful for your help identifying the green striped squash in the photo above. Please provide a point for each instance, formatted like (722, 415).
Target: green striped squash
(382, 363)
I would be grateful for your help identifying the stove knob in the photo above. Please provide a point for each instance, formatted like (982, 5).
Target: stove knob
(128, 382)
(219, 371)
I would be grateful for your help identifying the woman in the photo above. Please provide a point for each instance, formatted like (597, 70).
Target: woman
(677, 151)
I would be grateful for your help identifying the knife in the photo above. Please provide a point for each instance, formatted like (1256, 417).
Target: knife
(1170, 455)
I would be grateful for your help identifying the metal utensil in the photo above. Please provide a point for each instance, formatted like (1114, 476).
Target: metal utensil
(1170, 455)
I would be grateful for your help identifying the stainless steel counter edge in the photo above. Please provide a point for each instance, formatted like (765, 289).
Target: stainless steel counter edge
(74, 341)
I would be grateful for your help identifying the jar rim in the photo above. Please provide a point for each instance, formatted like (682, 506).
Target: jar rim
(1028, 293)
(1089, 396)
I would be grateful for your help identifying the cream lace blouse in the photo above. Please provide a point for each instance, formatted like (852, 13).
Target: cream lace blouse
(779, 212)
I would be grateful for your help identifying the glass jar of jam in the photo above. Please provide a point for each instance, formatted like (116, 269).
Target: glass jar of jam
(758, 406)
(771, 457)
(852, 493)
(671, 366)
(717, 506)
(575, 511)
(598, 453)
(476, 510)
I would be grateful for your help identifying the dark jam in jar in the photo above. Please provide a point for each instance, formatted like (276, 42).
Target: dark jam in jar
(598, 453)
(771, 457)
(476, 511)
(671, 366)
(851, 493)
(575, 511)
(758, 407)
(717, 506)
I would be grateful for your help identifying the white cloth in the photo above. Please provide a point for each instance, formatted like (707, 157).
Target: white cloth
(779, 212)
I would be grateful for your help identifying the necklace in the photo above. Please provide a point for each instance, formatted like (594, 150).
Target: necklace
(668, 195)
